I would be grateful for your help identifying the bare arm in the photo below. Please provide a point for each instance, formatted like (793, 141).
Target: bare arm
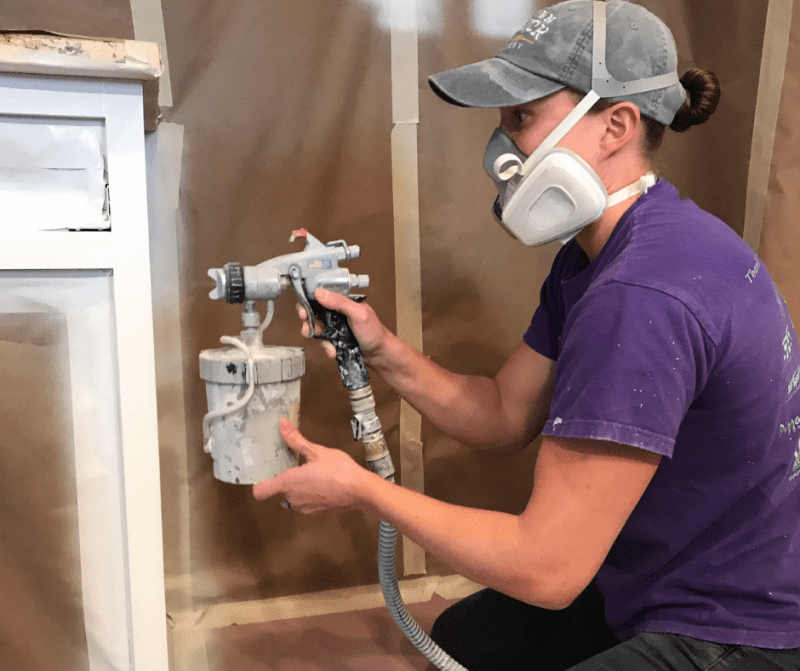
(583, 492)
(501, 414)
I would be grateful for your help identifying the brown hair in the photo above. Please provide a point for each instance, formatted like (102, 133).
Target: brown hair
(702, 97)
(702, 92)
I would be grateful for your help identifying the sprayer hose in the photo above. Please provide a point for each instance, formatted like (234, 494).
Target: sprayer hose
(367, 428)
(387, 569)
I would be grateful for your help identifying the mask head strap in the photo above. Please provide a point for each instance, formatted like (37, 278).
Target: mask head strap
(602, 80)
(558, 133)
(604, 85)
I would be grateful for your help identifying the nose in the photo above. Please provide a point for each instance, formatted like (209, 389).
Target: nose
(506, 121)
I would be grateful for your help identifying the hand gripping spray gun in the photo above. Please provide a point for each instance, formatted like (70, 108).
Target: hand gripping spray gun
(237, 422)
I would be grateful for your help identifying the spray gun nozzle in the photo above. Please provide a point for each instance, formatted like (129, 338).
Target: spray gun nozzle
(230, 283)
(218, 291)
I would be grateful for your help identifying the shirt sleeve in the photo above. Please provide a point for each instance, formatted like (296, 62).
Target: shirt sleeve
(544, 332)
(632, 361)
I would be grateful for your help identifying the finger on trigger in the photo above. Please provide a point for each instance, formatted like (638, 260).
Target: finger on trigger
(329, 299)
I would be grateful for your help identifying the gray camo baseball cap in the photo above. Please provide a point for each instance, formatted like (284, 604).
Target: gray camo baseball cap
(554, 50)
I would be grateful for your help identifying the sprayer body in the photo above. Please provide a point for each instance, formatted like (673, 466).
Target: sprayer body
(244, 439)
(317, 266)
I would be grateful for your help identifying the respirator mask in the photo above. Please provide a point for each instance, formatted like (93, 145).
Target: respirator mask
(553, 193)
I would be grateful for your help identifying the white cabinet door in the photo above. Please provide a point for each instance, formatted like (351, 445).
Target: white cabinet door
(97, 278)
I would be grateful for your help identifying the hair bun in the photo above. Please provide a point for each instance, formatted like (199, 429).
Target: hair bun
(702, 96)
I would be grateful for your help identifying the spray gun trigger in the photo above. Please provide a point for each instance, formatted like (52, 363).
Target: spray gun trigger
(296, 276)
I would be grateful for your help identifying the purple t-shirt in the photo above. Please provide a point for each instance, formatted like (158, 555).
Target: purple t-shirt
(675, 340)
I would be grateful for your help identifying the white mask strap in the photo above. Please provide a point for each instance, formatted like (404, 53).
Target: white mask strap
(639, 186)
(602, 80)
(508, 165)
(604, 85)
(558, 133)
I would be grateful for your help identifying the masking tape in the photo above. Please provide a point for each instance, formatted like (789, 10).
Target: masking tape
(164, 151)
(187, 649)
(413, 478)
(367, 597)
(405, 188)
(404, 59)
(148, 24)
(770, 85)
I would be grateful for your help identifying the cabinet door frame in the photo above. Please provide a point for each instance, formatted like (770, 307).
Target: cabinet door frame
(123, 251)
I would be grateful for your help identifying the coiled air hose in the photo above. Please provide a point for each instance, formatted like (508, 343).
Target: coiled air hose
(387, 568)
(367, 428)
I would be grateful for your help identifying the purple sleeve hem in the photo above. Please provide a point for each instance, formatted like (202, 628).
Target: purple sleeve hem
(618, 433)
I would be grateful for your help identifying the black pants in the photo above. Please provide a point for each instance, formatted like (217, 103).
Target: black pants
(489, 631)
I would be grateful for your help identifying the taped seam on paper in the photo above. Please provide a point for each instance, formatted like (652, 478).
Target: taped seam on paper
(770, 85)
(148, 24)
(418, 590)
(405, 190)
(164, 152)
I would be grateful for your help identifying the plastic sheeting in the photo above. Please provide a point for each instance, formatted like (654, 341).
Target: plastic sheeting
(286, 118)
(779, 243)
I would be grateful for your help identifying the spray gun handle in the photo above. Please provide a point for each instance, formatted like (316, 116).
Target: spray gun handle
(365, 422)
(337, 330)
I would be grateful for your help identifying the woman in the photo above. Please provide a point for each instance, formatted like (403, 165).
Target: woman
(660, 368)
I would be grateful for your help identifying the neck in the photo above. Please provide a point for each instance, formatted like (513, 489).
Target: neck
(593, 238)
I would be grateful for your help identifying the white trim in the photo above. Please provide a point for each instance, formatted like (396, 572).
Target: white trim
(124, 250)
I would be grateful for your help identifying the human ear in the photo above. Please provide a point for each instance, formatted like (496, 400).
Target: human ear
(622, 123)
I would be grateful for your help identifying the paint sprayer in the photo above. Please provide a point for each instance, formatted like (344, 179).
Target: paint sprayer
(251, 386)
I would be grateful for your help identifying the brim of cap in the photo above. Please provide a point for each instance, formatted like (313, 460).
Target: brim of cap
(491, 83)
